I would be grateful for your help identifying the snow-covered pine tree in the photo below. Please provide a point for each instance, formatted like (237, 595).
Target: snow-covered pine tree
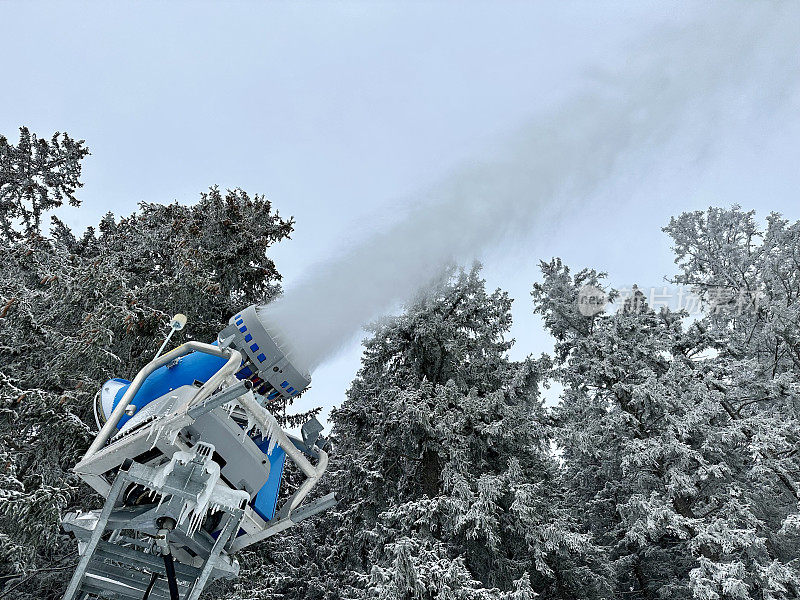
(749, 280)
(37, 176)
(75, 311)
(446, 484)
(679, 440)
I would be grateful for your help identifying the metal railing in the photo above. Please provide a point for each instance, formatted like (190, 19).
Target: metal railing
(234, 360)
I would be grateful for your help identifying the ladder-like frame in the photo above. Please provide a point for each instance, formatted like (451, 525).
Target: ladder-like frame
(118, 568)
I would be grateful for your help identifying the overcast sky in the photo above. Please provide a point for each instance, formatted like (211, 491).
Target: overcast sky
(342, 112)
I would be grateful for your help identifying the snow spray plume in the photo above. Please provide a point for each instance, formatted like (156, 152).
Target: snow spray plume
(683, 80)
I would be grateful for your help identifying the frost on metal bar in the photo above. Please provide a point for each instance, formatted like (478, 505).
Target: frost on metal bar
(190, 462)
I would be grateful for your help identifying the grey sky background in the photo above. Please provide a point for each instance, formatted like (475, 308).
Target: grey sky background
(341, 113)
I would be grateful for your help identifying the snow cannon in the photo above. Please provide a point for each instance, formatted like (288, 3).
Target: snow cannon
(190, 461)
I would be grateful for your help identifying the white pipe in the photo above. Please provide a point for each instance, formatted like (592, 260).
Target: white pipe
(308, 484)
(234, 360)
(269, 426)
(217, 379)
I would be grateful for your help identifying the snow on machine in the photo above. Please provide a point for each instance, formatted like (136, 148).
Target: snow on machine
(190, 462)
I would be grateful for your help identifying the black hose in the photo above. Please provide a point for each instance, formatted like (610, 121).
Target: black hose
(169, 567)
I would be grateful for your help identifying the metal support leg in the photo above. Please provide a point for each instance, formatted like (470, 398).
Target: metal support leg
(77, 577)
(231, 525)
(153, 579)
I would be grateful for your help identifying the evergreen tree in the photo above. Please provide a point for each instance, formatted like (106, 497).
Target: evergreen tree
(36, 176)
(442, 466)
(749, 281)
(679, 439)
